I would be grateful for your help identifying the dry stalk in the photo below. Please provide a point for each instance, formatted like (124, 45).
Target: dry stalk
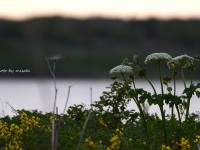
(52, 72)
(87, 119)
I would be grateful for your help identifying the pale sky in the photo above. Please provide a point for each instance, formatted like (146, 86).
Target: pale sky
(140, 9)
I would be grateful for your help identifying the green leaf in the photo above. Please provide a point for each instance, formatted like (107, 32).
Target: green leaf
(189, 91)
(144, 97)
(198, 94)
(198, 86)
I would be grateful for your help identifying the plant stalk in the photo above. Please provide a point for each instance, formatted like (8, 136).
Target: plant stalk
(179, 116)
(188, 99)
(65, 107)
(183, 78)
(161, 80)
(52, 72)
(139, 106)
(87, 119)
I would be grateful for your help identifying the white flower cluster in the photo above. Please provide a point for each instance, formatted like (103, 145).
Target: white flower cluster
(183, 61)
(157, 58)
(121, 69)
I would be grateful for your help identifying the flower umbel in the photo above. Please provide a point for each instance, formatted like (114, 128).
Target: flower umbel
(183, 61)
(121, 69)
(157, 58)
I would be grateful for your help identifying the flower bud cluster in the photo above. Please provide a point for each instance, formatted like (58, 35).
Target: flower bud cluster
(89, 143)
(115, 140)
(184, 144)
(10, 136)
(101, 121)
(197, 139)
(29, 123)
(164, 147)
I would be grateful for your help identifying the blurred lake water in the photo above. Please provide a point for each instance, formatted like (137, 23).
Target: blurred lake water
(38, 94)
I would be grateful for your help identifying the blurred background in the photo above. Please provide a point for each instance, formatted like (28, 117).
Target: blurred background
(93, 35)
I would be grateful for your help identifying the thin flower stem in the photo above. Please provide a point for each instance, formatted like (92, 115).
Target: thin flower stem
(188, 99)
(191, 77)
(53, 133)
(56, 90)
(187, 109)
(91, 97)
(151, 85)
(174, 78)
(161, 105)
(163, 121)
(141, 111)
(172, 112)
(65, 107)
(56, 131)
(188, 104)
(176, 106)
(161, 109)
(161, 81)
(183, 78)
(179, 116)
(83, 130)
(52, 72)
(124, 78)
(12, 108)
(134, 83)
(135, 98)
(87, 119)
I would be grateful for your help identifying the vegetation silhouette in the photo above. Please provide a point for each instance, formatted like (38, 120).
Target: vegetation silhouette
(91, 46)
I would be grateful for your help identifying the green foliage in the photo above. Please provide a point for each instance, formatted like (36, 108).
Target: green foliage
(111, 126)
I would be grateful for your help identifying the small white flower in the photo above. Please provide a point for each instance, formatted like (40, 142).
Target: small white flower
(121, 69)
(183, 61)
(157, 58)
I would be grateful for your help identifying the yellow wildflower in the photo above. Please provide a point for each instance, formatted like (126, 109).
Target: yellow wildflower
(130, 139)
